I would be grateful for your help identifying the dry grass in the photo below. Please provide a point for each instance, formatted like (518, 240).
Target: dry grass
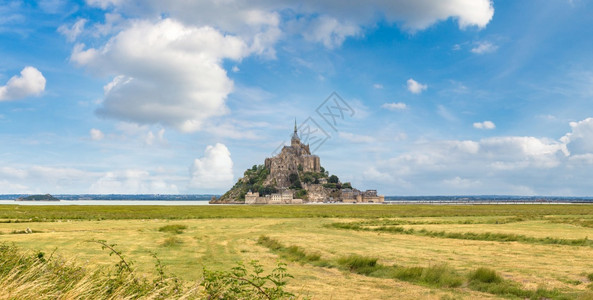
(219, 243)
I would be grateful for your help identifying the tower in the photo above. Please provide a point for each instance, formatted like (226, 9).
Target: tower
(295, 140)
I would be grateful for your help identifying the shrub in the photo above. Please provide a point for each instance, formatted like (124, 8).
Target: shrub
(485, 275)
(590, 276)
(247, 283)
(173, 228)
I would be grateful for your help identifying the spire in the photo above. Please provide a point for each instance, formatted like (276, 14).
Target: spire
(295, 135)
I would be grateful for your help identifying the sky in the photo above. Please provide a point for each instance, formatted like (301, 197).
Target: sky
(409, 97)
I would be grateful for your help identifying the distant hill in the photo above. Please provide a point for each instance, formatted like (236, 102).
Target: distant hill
(46, 197)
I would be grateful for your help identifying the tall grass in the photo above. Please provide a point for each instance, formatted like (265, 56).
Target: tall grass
(35, 276)
(25, 275)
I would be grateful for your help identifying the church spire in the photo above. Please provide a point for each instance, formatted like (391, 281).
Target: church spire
(295, 135)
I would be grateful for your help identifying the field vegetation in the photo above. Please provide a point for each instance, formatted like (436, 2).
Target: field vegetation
(306, 251)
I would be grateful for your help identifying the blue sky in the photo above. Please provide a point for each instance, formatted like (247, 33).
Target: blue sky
(445, 97)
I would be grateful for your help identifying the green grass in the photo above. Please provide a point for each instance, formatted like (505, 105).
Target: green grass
(487, 280)
(291, 253)
(41, 213)
(173, 228)
(440, 275)
(484, 236)
(359, 264)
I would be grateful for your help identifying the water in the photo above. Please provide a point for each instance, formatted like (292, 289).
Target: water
(105, 202)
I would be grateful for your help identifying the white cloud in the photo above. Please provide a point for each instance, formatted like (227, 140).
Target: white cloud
(378, 86)
(164, 72)
(329, 22)
(213, 171)
(484, 125)
(580, 139)
(415, 87)
(30, 83)
(394, 106)
(497, 165)
(330, 32)
(14, 188)
(159, 138)
(356, 138)
(96, 134)
(56, 180)
(131, 182)
(484, 47)
(74, 31)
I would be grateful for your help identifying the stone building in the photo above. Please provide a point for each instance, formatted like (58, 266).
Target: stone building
(292, 159)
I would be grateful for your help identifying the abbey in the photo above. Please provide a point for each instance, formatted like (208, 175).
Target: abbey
(294, 176)
(292, 159)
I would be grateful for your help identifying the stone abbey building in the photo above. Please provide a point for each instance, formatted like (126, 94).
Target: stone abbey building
(293, 176)
(292, 159)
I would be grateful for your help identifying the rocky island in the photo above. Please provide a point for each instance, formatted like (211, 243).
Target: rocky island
(294, 176)
(46, 197)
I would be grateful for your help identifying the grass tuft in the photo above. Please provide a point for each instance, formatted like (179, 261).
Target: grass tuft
(171, 242)
(173, 228)
(485, 275)
(359, 264)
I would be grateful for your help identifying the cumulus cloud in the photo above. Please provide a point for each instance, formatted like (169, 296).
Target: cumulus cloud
(580, 140)
(330, 32)
(394, 106)
(496, 165)
(96, 134)
(484, 47)
(484, 125)
(416, 87)
(30, 83)
(214, 170)
(169, 70)
(165, 72)
(330, 21)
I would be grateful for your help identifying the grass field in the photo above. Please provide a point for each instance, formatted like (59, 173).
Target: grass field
(188, 238)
